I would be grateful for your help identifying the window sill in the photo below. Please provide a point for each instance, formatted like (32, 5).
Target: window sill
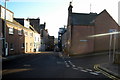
(10, 34)
(22, 47)
(11, 49)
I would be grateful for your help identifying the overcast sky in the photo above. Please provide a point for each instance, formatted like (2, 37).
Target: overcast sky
(55, 12)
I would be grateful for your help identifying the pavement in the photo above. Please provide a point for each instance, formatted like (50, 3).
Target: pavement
(85, 55)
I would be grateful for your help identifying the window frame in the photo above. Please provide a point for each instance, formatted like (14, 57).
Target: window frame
(11, 46)
(20, 31)
(11, 30)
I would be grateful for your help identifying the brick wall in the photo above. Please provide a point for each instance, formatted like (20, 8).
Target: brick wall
(80, 41)
(103, 23)
(64, 42)
(50, 43)
(15, 39)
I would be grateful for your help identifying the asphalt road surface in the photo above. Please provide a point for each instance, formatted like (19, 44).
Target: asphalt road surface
(51, 65)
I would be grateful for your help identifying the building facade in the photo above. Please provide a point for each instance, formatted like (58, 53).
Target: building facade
(60, 34)
(1, 37)
(51, 43)
(37, 42)
(32, 37)
(44, 37)
(21, 37)
(13, 33)
(89, 32)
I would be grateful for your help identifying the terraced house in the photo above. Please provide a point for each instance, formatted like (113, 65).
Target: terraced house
(32, 37)
(14, 36)
(35, 23)
(19, 38)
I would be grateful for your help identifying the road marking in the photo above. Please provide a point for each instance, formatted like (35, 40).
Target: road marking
(88, 69)
(109, 75)
(84, 70)
(66, 64)
(71, 64)
(105, 73)
(97, 72)
(94, 73)
(75, 68)
(80, 67)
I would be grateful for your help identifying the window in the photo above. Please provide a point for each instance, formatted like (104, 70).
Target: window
(20, 32)
(31, 34)
(11, 30)
(30, 44)
(11, 46)
(25, 33)
(38, 39)
(23, 45)
(34, 45)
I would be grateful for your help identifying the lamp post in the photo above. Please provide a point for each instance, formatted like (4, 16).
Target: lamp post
(110, 47)
(4, 32)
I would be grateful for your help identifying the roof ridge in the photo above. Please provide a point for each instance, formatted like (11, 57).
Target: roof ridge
(84, 13)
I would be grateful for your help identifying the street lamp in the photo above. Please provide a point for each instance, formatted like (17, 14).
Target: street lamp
(4, 31)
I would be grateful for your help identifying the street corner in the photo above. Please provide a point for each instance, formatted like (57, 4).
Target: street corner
(106, 72)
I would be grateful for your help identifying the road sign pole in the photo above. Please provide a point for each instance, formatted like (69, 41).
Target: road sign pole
(110, 46)
(114, 46)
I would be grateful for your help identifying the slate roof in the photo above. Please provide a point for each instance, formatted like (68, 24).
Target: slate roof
(83, 18)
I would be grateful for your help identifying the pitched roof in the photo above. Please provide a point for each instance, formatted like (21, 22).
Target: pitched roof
(18, 25)
(83, 18)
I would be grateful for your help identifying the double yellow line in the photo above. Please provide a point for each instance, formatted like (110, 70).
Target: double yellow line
(96, 67)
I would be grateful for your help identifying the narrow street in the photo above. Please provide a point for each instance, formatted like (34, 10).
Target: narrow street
(50, 65)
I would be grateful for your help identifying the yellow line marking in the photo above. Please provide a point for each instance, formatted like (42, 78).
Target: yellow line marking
(105, 73)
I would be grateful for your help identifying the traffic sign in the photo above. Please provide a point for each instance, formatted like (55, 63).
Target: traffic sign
(112, 30)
